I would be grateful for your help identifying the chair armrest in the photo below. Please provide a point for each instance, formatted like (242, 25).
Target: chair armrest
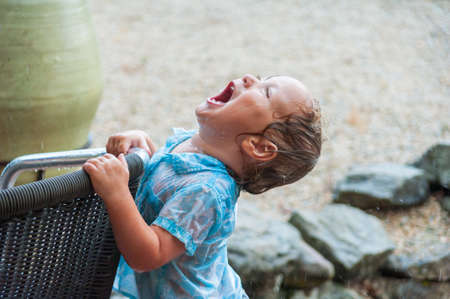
(47, 192)
(45, 160)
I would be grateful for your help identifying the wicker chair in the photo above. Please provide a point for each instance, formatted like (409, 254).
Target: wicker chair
(56, 240)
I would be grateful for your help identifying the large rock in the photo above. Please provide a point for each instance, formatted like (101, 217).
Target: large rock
(436, 163)
(382, 186)
(328, 290)
(395, 288)
(429, 263)
(355, 242)
(417, 290)
(267, 253)
(445, 203)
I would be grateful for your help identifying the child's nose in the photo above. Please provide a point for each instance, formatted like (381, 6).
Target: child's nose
(249, 80)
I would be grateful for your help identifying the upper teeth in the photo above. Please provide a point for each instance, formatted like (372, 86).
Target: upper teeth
(214, 100)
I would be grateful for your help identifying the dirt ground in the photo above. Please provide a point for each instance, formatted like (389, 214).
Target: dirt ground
(380, 70)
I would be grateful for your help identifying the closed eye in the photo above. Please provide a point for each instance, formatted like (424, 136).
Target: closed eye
(267, 92)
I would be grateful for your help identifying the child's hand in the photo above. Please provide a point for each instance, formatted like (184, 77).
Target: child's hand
(123, 142)
(109, 175)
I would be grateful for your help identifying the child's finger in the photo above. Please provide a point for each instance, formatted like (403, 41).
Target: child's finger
(116, 150)
(108, 156)
(112, 145)
(123, 160)
(92, 161)
(124, 147)
(150, 145)
(109, 145)
(89, 167)
(100, 159)
(143, 144)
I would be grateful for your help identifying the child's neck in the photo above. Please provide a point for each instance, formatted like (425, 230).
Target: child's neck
(227, 152)
(187, 147)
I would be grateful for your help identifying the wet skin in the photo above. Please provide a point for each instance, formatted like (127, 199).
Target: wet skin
(253, 105)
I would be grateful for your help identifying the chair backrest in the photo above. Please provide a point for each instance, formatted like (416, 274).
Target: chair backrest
(56, 240)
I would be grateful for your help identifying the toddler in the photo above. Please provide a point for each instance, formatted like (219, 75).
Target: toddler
(255, 135)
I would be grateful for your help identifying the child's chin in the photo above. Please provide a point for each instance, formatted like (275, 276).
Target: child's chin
(202, 109)
(201, 112)
(199, 109)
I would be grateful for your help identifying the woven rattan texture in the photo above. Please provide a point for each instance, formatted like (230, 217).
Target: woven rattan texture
(67, 251)
(56, 240)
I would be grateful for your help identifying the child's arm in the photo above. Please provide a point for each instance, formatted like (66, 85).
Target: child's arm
(122, 142)
(144, 247)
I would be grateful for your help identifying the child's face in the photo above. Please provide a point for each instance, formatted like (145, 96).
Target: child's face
(249, 105)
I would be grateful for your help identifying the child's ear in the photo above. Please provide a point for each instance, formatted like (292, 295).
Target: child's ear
(259, 148)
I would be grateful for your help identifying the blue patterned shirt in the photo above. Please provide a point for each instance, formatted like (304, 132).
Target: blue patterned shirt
(193, 197)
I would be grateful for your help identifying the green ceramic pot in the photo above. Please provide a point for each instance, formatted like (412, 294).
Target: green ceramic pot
(50, 76)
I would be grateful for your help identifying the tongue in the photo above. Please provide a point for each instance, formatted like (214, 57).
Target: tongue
(225, 95)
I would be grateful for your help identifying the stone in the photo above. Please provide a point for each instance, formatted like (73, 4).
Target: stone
(270, 288)
(328, 290)
(428, 263)
(303, 294)
(395, 288)
(355, 242)
(309, 269)
(267, 253)
(445, 203)
(383, 185)
(436, 163)
(413, 290)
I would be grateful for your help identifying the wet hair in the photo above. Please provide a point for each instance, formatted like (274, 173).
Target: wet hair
(298, 138)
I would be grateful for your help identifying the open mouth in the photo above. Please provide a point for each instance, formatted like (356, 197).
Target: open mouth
(224, 96)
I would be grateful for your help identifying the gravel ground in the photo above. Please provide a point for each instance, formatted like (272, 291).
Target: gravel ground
(380, 69)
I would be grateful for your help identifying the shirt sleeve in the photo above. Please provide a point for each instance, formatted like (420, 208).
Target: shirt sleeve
(190, 215)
